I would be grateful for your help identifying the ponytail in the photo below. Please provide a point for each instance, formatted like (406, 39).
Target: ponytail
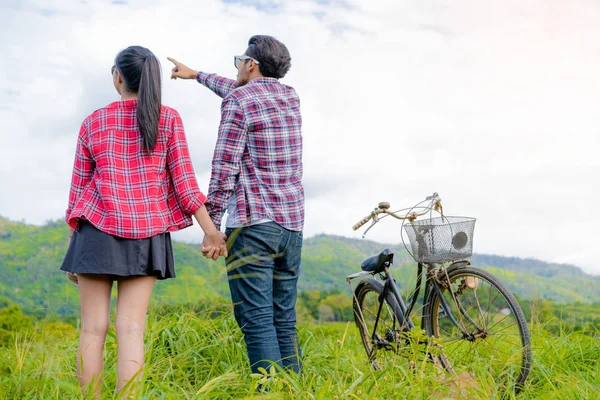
(149, 102)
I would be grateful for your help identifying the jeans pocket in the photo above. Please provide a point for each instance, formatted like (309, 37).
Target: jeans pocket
(267, 229)
(295, 245)
(262, 242)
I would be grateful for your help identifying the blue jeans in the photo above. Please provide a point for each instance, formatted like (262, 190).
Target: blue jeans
(263, 269)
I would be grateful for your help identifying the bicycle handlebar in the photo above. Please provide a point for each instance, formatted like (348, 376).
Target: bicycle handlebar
(435, 204)
(362, 222)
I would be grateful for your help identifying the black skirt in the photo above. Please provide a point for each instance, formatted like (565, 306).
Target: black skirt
(92, 251)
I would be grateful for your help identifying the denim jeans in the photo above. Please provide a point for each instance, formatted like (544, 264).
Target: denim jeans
(263, 269)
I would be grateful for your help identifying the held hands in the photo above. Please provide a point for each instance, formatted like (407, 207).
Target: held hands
(181, 70)
(214, 245)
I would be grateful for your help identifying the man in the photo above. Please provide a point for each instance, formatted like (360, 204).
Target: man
(257, 177)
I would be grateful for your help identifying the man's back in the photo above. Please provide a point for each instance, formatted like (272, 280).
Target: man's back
(262, 121)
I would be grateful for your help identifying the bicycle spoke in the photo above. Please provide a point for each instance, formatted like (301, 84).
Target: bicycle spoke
(475, 350)
(486, 326)
(378, 325)
(505, 317)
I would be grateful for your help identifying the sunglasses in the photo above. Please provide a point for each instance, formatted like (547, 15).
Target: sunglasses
(237, 59)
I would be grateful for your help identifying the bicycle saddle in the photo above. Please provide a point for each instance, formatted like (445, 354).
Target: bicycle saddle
(378, 262)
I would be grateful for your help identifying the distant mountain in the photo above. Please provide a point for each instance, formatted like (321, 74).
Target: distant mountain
(328, 259)
(30, 258)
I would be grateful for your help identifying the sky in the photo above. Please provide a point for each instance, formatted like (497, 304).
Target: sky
(493, 105)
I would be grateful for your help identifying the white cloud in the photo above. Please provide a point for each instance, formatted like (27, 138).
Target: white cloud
(492, 104)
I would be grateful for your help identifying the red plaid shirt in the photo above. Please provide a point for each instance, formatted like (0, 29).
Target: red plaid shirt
(121, 189)
(258, 155)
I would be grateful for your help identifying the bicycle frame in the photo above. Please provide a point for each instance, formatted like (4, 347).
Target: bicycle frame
(431, 283)
(389, 286)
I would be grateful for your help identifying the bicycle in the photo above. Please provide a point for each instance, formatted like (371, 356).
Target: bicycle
(466, 313)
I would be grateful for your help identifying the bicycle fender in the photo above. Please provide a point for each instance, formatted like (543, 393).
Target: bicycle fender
(458, 265)
(373, 282)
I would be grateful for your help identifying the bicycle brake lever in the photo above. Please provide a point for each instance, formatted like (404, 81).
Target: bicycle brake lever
(373, 222)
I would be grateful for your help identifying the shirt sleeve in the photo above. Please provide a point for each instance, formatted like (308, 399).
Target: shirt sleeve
(188, 194)
(231, 142)
(218, 84)
(83, 169)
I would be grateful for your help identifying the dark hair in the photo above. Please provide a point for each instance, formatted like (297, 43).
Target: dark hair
(140, 70)
(273, 57)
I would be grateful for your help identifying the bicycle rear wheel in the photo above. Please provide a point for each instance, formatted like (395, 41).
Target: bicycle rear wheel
(382, 338)
(490, 334)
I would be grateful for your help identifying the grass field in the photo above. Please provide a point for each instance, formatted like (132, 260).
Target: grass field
(191, 356)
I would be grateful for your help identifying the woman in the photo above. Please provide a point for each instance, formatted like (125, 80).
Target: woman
(133, 183)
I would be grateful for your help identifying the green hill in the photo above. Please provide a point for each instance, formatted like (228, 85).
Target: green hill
(30, 258)
(328, 259)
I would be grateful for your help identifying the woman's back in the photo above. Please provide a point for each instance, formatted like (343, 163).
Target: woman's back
(123, 189)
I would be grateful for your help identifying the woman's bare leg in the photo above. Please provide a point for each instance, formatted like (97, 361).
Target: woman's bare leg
(94, 292)
(132, 305)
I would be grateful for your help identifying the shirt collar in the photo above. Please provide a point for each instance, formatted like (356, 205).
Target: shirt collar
(263, 79)
(123, 104)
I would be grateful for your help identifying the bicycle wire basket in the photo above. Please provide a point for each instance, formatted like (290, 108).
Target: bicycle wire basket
(441, 239)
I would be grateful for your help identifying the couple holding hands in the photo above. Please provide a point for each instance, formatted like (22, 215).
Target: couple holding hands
(133, 183)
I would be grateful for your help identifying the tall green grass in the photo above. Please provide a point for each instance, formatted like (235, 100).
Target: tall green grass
(192, 356)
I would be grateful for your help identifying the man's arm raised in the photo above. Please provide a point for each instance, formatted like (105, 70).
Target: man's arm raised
(181, 70)
(219, 85)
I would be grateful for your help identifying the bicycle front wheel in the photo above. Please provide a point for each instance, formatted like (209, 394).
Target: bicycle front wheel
(485, 329)
(378, 323)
